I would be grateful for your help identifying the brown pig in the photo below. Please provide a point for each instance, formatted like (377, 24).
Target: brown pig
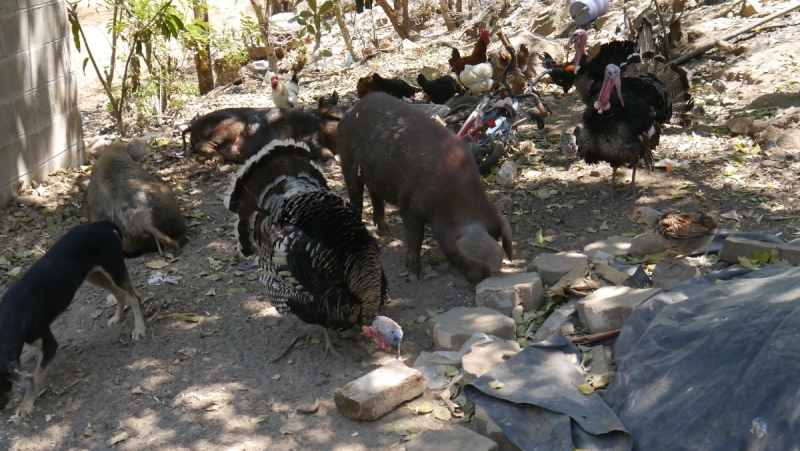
(236, 134)
(142, 206)
(407, 159)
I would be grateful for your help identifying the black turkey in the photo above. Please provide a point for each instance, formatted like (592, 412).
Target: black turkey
(623, 124)
(320, 261)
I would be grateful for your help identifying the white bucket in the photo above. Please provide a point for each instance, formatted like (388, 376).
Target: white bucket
(585, 11)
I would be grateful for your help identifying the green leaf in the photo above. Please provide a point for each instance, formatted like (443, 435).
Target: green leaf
(310, 28)
(85, 61)
(76, 36)
(678, 196)
(629, 234)
(300, 20)
(762, 257)
(305, 14)
(747, 263)
(586, 389)
(327, 53)
(539, 239)
(325, 7)
(327, 27)
(298, 2)
(568, 234)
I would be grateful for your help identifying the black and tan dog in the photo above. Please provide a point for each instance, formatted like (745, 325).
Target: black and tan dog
(91, 252)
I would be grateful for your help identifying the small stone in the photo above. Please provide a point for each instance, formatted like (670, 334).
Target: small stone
(309, 408)
(666, 274)
(486, 426)
(617, 246)
(608, 308)
(453, 328)
(379, 392)
(482, 358)
(527, 147)
(750, 8)
(552, 267)
(176, 362)
(739, 125)
(88, 433)
(458, 438)
(758, 126)
(645, 244)
(771, 164)
(517, 314)
(504, 292)
(790, 139)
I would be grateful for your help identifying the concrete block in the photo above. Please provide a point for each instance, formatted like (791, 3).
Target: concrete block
(47, 63)
(616, 245)
(458, 438)
(554, 266)
(8, 125)
(733, 248)
(14, 33)
(608, 308)
(667, 274)
(32, 109)
(20, 82)
(482, 358)
(504, 292)
(556, 319)
(486, 426)
(377, 393)
(645, 244)
(453, 328)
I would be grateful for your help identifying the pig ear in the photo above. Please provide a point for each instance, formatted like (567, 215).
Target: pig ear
(24, 380)
(478, 246)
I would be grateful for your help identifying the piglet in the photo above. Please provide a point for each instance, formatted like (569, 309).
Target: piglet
(409, 160)
(142, 206)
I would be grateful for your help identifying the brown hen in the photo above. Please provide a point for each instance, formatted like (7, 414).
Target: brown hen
(684, 233)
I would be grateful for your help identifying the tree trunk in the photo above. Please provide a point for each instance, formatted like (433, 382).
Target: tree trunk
(445, 8)
(401, 26)
(263, 27)
(202, 55)
(343, 27)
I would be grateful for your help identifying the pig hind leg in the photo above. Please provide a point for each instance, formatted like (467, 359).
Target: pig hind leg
(415, 229)
(379, 214)
(355, 186)
(162, 239)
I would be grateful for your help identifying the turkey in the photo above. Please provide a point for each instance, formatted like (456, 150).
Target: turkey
(623, 124)
(320, 262)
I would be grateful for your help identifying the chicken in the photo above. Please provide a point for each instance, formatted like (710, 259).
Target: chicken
(478, 78)
(523, 56)
(320, 261)
(441, 89)
(623, 124)
(478, 55)
(684, 233)
(569, 145)
(515, 80)
(284, 94)
(561, 74)
(392, 86)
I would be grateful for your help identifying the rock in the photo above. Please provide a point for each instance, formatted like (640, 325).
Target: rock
(617, 246)
(758, 126)
(771, 164)
(645, 244)
(556, 319)
(137, 149)
(608, 308)
(790, 139)
(453, 328)
(458, 438)
(551, 267)
(377, 393)
(739, 125)
(504, 205)
(482, 358)
(750, 8)
(486, 426)
(504, 292)
(733, 248)
(600, 365)
(666, 274)
(25, 200)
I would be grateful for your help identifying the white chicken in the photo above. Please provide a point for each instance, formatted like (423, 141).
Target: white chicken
(478, 78)
(284, 94)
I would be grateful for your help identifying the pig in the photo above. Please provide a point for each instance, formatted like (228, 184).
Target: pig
(236, 134)
(142, 206)
(409, 160)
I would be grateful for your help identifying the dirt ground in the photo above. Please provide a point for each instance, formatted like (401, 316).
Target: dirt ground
(209, 384)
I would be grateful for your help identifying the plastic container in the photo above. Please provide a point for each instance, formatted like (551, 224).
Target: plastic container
(506, 174)
(586, 11)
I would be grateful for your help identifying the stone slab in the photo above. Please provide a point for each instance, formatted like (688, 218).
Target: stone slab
(608, 308)
(733, 248)
(504, 292)
(458, 438)
(379, 392)
(453, 328)
(645, 244)
(482, 358)
(617, 246)
(551, 267)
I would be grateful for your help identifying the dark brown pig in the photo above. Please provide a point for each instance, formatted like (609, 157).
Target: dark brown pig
(236, 134)
(142, 206)
(409, 160)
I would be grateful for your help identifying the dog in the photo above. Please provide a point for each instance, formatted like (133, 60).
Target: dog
(91, 252)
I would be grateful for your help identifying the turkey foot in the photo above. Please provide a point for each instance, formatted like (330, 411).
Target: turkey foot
(329, 346)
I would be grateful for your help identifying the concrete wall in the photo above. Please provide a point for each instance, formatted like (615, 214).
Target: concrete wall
(40, 124)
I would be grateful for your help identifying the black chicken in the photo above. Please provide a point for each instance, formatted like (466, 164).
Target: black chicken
(441, 89)
(321, 263)
(621, 129)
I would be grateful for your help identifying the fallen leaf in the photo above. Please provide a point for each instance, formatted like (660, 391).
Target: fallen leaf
(213, 277)
(762, 257)
(258, 419)
(96, 314)
(421, 319)
(276, 377)
(677, 196)
(568, 234)
(586, 389)
(730, 170)
(685, 186)
(747, 263)
(137, 390)
(158, 264)
(233, 291)
(629, 234)
(425, 408)
(354, 434)
(211, 292)
(285, 431)
(191, 317)
(447, 370)
(118, 438)
(431, 313)
(539, 239)
(442, 413)
(496, 385)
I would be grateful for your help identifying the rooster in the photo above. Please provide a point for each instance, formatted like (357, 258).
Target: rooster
(623, 124)
(284, 94)
(478, 78)
(320, 261)
(684, 233)
(478, 55)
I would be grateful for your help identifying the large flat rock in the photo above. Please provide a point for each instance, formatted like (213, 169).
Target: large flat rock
(552, 267)
(608, 308)
(504, 292)
(453, 328)
(458, 438)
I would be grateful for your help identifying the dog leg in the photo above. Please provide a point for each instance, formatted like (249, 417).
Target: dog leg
(122, 293)
(136, 306)
(47, 350)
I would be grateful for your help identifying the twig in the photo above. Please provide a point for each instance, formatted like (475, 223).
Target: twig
(286, 351)
(664, 27)
(328, 74)
(588, 339)
(699, 51)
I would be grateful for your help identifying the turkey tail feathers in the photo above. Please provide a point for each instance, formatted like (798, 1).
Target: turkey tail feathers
(645, 42)
(674, 78)
(281, 166)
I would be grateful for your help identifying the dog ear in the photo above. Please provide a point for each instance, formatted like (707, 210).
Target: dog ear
(21, 378)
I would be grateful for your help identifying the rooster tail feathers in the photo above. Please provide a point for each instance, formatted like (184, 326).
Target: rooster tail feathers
(675, 79)
(281, 165)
